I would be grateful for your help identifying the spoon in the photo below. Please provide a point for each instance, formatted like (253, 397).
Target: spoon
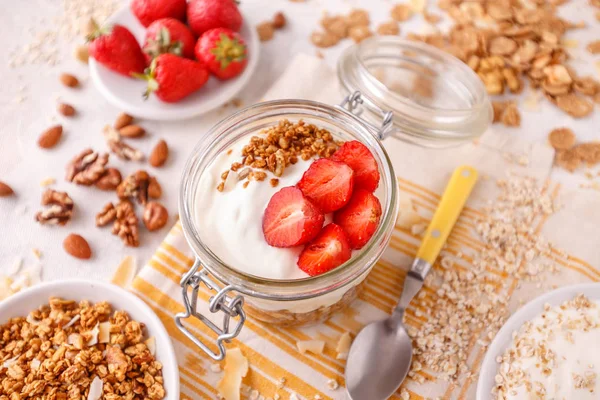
(381, 353)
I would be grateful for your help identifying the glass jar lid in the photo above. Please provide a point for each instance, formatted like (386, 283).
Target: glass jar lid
(436, 100)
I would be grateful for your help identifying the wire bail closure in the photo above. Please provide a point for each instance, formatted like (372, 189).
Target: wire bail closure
(354, 103)
(231, 307)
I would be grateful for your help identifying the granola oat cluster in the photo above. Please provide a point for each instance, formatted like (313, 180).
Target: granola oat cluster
(278, 147)
(545, 347)
(69, 350)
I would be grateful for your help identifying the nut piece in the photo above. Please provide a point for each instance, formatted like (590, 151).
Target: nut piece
(574, 105)
(77, 246)
(50, 137)
(126, 224)
(69, 80)
(324, 39)
(107, 215)
(120, 148)
(511, 116)
(110, 180)
(139, 185)
(279, 20)
(155, 216)
(5, 190)
(86, 168)
(265, 30)
(388, 28)
(359, 33)
(132, 131)
(159, 154)
(401, 12)
(82, 53)
(66, 109)
(60, 210)
(561, 138)
(123, 120)
(358, 17)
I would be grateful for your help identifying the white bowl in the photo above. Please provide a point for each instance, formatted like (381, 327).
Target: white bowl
(22, 303)
(503, 339)
(126, 93)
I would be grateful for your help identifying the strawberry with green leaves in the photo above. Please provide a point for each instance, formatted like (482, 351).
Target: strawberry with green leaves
(116, 48)
(168, 35)
(172, 78)
(223, 51)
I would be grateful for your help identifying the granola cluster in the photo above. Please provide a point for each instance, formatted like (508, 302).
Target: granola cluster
(534, 348)
(278, 147)
(569, 154)
(69, 350)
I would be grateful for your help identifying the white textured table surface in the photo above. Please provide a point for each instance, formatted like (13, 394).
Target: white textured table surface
(29, 94)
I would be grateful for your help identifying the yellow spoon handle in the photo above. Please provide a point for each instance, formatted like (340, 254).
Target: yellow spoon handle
(453, 200)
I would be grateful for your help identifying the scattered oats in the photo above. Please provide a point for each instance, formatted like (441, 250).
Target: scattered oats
(215, 368)
(47, 182)
(332, 384)
(37, 253)
(418, 229)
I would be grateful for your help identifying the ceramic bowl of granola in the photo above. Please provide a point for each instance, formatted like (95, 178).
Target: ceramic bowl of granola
(79, 320)
(550, 348)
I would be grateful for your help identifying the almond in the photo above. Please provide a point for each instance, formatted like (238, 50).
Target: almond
(77, 246)
(159, 154)
(132, 131)
(123, 120)
(50, 137)
(66, 109)
(5, 190)
(69, 80)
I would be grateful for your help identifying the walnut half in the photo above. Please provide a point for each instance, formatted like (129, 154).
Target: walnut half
(60, 210)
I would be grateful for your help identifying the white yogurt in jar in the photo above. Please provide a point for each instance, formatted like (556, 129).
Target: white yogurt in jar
(554, 356)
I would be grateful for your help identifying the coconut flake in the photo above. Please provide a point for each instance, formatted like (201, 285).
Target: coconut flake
(343, 346)
(9, 362)
(236, 367)
(94, 336)
(314, 346)
(104, 332)
(151, 344)
(35, 364)
(95, 389)
(71, 322)
(32, 320)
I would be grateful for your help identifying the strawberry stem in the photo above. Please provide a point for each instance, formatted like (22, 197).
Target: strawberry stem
(149, 76)
(228, 50)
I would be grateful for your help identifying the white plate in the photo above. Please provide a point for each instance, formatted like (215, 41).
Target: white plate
(22, 303)
(126, 94)
(503, 339)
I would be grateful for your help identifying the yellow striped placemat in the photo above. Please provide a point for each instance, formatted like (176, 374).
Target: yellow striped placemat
(272, 351)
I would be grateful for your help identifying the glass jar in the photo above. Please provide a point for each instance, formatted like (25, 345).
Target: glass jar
(314, 299)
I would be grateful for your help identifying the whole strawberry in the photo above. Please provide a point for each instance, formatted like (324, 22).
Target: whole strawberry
(115, 47)
(172, 78)
(204, 15)
(169, 35)
(148, 11)
(223, 51)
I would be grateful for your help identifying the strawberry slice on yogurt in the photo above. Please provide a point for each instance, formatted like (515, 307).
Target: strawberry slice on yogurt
(359, 218)
(291, 219)
(327, 251)
(361, 160)
(328, 184)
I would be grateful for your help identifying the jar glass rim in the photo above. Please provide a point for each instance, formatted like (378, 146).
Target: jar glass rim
(296, 289)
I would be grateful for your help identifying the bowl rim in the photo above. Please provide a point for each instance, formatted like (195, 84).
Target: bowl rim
(158, 329)
(529, 311)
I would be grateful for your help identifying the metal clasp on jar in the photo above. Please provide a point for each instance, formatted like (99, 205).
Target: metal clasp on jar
(353, 103)
(230, 306)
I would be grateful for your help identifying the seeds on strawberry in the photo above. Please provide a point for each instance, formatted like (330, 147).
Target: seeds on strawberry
(327, 251)
(66, 109)
(123, 120)
(223, 51)
(69, 80)
(50, 137)
(168, 35)
(328, 184)
(5, 190)
(159, 154)
(361, 160)
(77, 246)
(117, 49)
(204, 15)
(132, 131)
(290, 219)
(148, 11)
(359, 218)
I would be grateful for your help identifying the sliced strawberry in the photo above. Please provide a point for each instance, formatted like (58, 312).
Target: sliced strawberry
(328, 184)
(360, 159)
(359, 218)
(290, 219)
(327, 251)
